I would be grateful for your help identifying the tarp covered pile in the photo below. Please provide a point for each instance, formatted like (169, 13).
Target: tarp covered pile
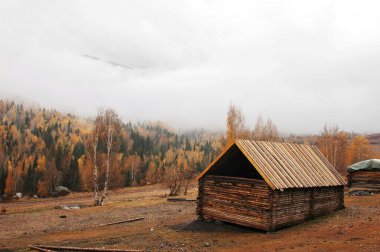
(370, 164)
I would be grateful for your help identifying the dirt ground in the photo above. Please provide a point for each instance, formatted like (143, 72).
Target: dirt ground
(173, 226)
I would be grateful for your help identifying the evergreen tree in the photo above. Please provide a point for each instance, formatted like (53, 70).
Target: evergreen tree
(74, 179)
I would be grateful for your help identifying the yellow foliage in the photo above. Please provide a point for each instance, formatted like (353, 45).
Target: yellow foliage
(86, 173)
(10, 181)
(359, 150)
(41, 164)
(235, 124)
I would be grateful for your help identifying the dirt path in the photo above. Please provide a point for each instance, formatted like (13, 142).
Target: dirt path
(173, 226)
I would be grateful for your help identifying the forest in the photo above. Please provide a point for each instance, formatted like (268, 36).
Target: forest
(43, 148)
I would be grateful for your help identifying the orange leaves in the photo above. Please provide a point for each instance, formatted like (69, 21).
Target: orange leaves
(40, 147)
(74, 139)
(169, 156)
(235, 124)
(3, 137)
(40, 121)
(10, 181)
(341, 151)
(25, 135)
(15, 133)
(151, 174)
(41, 164)
(359, 150)
(86, 172)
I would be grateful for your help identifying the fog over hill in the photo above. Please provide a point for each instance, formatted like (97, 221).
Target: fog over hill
(301, 64)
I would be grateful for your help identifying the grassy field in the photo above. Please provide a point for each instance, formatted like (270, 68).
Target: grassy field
(173, 226)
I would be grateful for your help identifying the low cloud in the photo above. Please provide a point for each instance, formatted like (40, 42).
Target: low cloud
(183, 62)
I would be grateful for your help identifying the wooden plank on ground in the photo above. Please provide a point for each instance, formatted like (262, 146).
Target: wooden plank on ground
(123, 221)
(180, 199)
(60, 248)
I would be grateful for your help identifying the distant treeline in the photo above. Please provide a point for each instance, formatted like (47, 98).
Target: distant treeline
(41, 149)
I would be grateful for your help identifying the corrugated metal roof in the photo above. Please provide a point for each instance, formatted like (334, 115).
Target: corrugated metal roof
(285, 165)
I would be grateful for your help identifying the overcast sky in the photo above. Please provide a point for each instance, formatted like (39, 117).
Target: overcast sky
(303, 64)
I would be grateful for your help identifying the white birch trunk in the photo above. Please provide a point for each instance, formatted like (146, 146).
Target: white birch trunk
(109, 145)
(96, 185)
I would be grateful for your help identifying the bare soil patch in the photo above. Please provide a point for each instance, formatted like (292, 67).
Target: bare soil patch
(173, 226)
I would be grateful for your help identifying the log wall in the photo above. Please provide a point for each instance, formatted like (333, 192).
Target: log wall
(293, 206)
(363, 179)
(241, 201)
(252, 203)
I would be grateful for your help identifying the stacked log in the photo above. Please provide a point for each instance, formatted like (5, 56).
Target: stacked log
(326, 200)
(293, 206)
(290, 207)
(365, 179)
(252, 203)
(238, 200)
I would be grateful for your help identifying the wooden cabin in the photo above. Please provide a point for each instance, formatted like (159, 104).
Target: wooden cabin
(364, 176)
(267, 185)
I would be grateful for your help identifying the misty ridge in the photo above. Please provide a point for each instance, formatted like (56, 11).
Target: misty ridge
(43, 148)
(185, 64)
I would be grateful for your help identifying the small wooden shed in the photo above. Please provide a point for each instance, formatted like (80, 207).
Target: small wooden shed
(364, 175)
(267, 185)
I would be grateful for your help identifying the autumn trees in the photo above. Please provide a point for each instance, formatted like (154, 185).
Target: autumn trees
(235, 124)
(333, 144)
(359, 149)
(339, 147)
(36, 148)
(343, 149)
(264, 131)
(105, 134)
(181, 169)
(236, 127)
(41, 149)
(173, 180)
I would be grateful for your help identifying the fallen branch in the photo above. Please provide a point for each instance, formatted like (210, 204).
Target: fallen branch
(123, 221)
(39, 249)
(180, 199)
(46, 248)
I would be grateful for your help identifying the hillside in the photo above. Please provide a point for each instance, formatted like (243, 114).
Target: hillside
(41, 149)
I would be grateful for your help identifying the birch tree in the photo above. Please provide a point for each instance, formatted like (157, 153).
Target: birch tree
(107, 126)
(95, 142)
(333, 144)
(235, 124)
(265, 132)
(112, 127)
